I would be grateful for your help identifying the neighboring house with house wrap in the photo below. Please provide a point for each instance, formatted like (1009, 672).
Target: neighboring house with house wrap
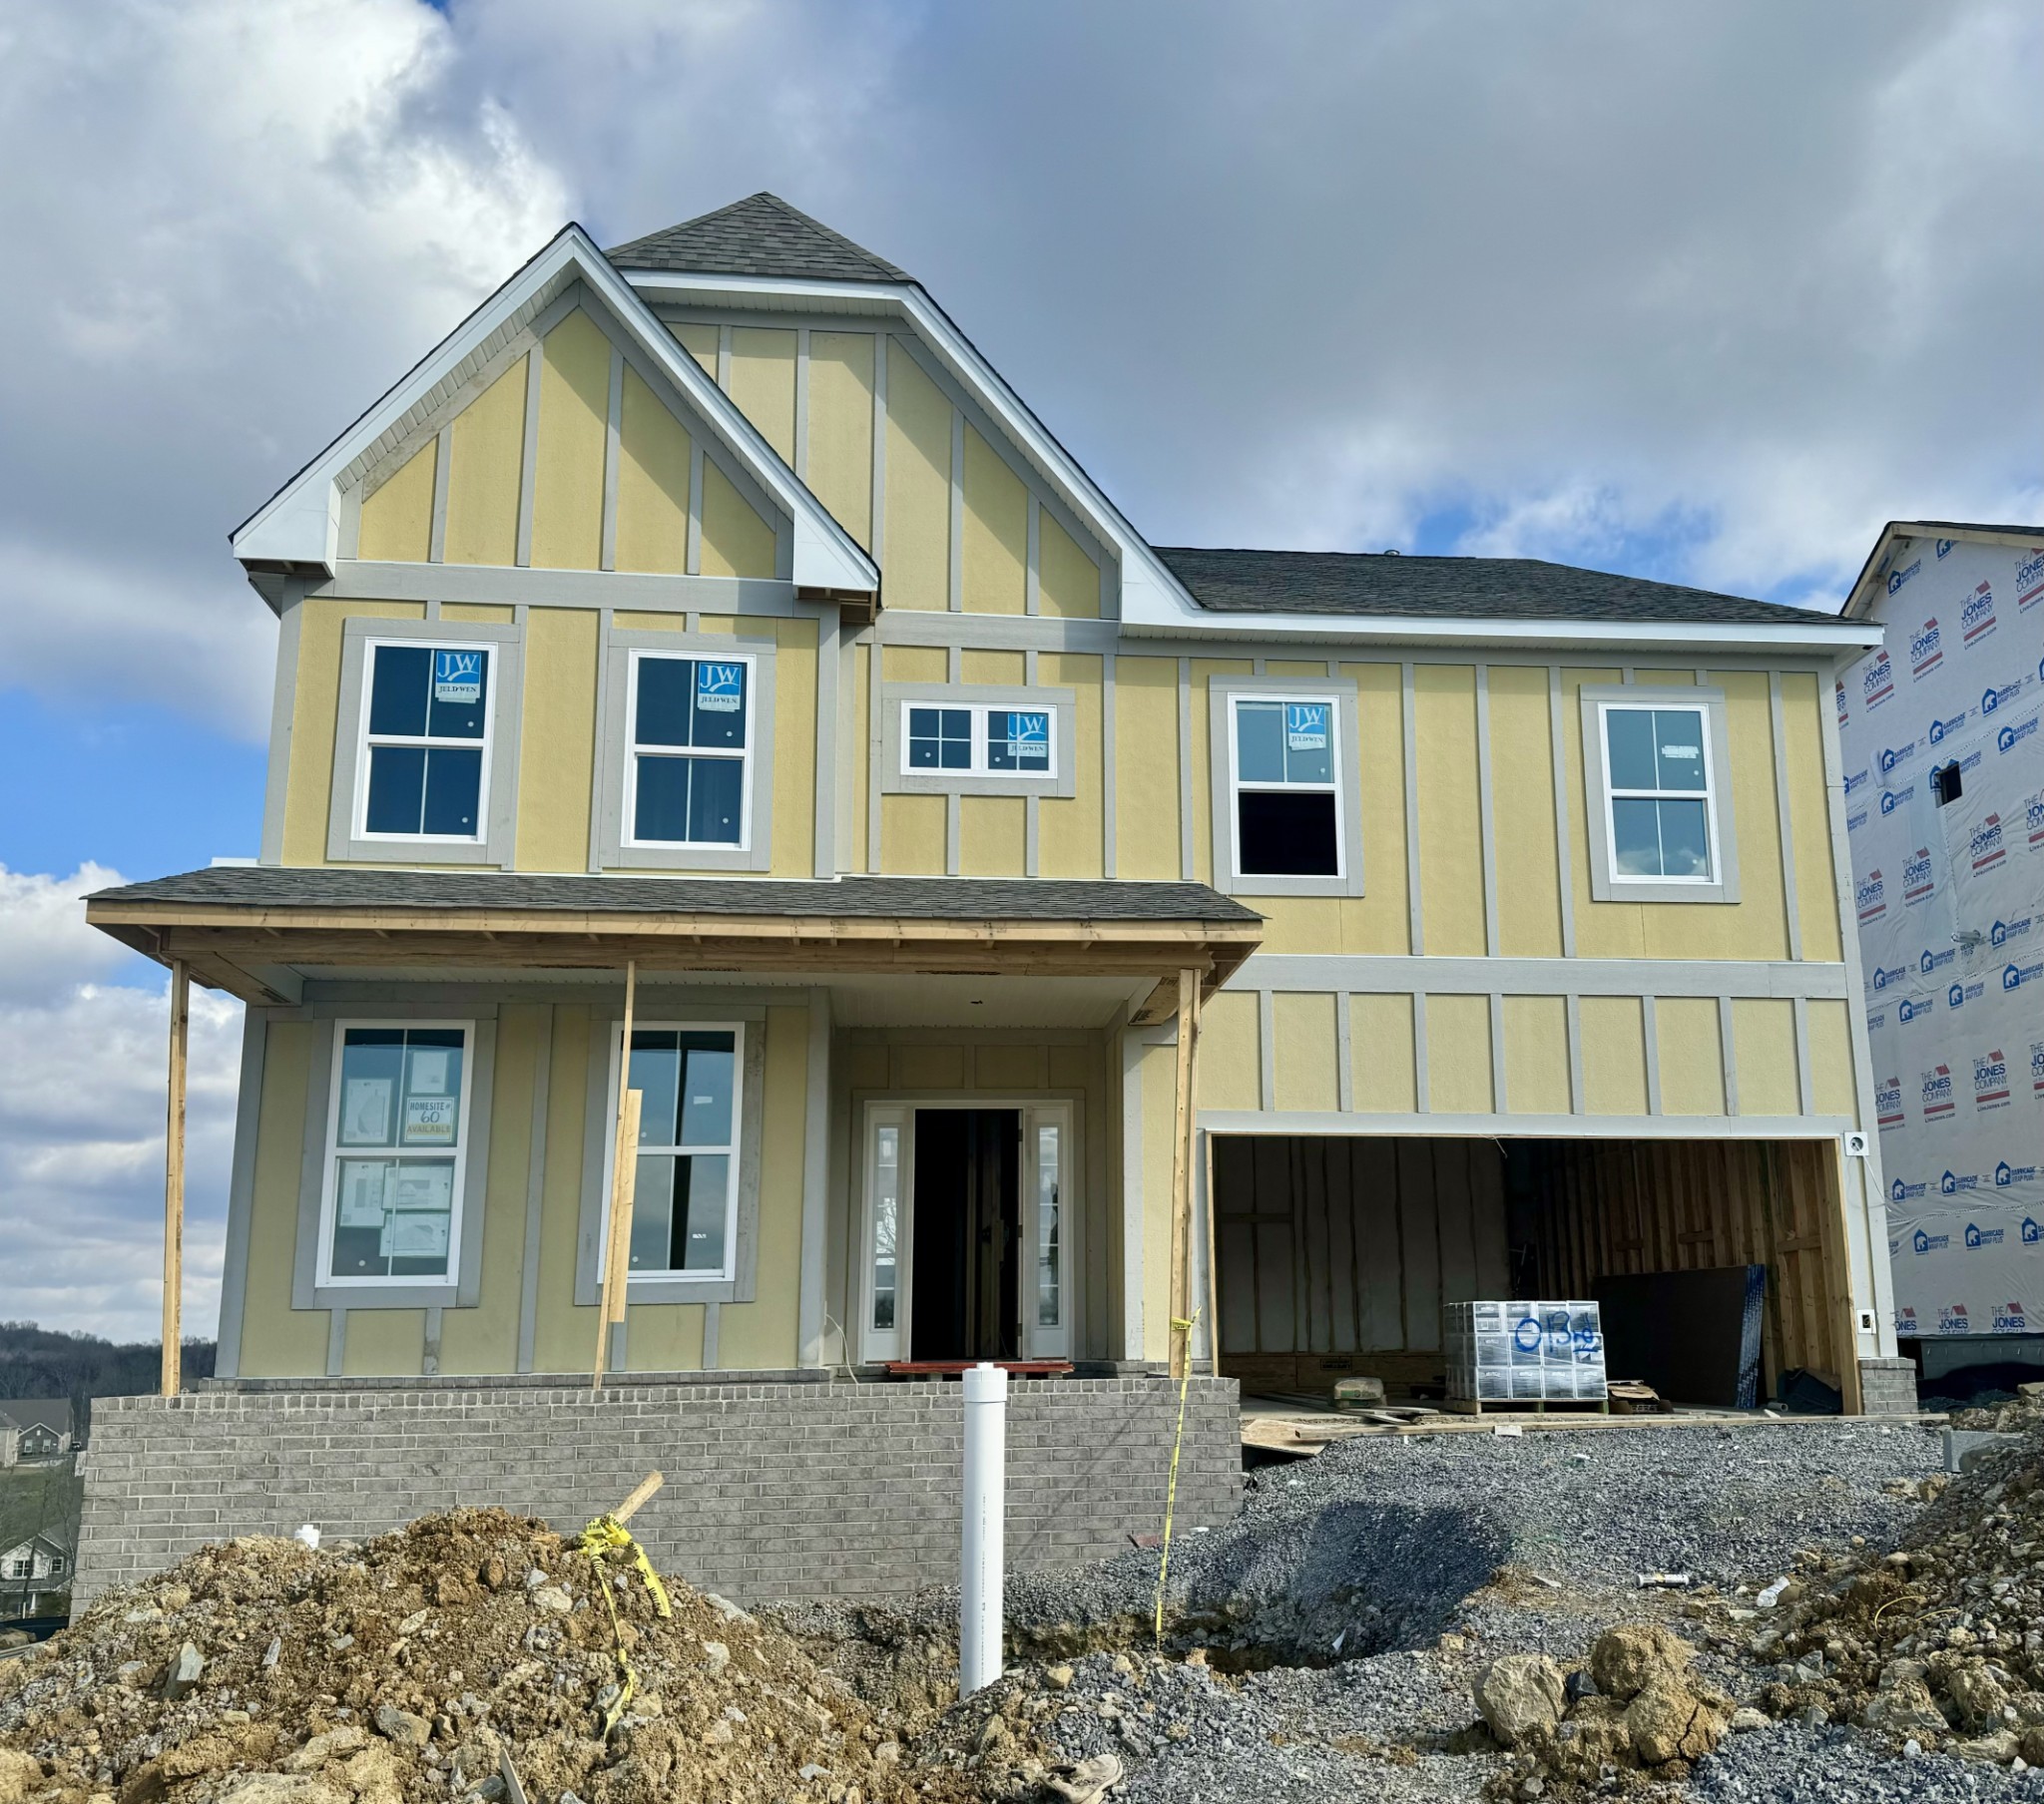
(34, 1428)
(714, 604)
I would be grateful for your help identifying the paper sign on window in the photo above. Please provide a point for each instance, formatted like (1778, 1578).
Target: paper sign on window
(1029, 736)
(362, 1192)
(414, 1237)
(429, 1120)
(365, 1111)
(720, 687)
(458, 676)
(428, 1072)
(422, 1187)
(1306, 725)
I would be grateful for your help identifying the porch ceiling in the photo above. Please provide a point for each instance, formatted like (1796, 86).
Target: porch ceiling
(253, 929)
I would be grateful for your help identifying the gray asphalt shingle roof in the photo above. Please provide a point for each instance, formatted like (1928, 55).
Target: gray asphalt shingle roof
(869, 898)
(37, 1412)
(759, 236)
(1364, 583)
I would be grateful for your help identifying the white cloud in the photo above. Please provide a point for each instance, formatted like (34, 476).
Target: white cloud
(82, 1118)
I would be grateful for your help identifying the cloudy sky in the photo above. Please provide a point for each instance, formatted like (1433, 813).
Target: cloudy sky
(1705, 293)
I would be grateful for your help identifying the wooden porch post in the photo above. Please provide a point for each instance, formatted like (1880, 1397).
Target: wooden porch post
(1182, 1172)
(174, 1182)
(617, 1264)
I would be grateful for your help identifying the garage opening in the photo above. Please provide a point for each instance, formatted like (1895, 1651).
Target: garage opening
(1335, 1255)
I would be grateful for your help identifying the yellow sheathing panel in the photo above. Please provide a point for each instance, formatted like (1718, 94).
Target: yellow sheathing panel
(1069, 829)
(992, 666)
(716, 623)
(484, 466)
(564, 1337)
(1205, 669)
(1831, 1058)
(918, 542)
(384, 1343)
(1537, 1055)
(912, 835)
(1692, 1062)
(485, 1338)
(278, 1341)
(652, 483)
(1302, 1032)
(1614, 1055)
(1603, 929)
(1457, 1053)
(1522, 813)
(397, 517)
(1756, 925)
(913, 664)
(317, 703)
(1804, 700)
(736, 541)
(761, 1335)
(840, 470)
(929, 1066)
(1380, 1057)
(1066, 579)
(557, 739)
(486, 611)
(996, 532)
(647, 620)
(794, 749)
(1764, 1046)
(1023, 1069)
(1146, 767)
(1450, 820)
(862, 749)
(762, 383)
(1230, 1071)
(700, 342)
(664, 1337)
(1158, 1081)
(1379, 921)
(574, 410)
(992, 832)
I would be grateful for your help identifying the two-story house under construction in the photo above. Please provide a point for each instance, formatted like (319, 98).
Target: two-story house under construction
(705, 634)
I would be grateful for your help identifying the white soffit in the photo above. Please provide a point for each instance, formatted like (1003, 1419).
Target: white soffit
(300, 526)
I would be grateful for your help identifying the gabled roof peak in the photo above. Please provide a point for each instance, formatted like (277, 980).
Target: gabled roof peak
(759, 236)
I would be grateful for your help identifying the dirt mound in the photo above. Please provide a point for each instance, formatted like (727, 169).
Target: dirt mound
(1937, 1641)
(469, 1657)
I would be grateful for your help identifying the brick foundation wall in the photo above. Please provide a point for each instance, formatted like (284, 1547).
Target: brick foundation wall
(1887, 1386)
(774, 1490)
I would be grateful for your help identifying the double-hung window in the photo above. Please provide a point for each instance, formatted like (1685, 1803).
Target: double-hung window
(1660, 826)
(977, 739)
(1287, 796)
(685, 1203)
(689, 756)
(396, 1149)
(425, 764)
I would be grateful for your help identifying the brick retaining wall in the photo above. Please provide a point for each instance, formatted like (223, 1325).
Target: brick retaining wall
(1887, 1386)
(774, 1490)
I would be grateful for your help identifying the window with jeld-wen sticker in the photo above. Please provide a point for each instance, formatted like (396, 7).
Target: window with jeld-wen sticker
(988, 741)
(396, 1145)
(427, 742)
(689, 769)
(1287, 805)
(1654, 764)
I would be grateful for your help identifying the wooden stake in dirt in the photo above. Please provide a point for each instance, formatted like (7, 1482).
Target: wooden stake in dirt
(642, 1495)
(174, 1182)
(624, 1183)
(1182, 1172)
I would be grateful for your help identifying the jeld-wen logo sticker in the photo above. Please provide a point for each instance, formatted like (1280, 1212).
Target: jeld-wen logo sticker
(720, 687)
(458, 677)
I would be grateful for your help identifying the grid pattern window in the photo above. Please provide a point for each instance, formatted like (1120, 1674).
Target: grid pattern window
(425, 766)
(396, 1149)
(685, 1207)
(982, 739)
(1658, 790)
(1287, 799)
(886, 1225)
(689, 756)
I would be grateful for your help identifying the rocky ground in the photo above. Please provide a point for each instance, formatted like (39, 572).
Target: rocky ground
(1452, 1616)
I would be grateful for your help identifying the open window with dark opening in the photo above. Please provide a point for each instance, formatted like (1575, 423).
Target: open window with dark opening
(1945, 783)
(1287, 802)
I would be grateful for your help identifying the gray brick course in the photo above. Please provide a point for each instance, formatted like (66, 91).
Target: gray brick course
(799, 1488)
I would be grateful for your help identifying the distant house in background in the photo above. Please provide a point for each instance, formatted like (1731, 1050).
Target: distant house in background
(35, 1571)
(34, 1428)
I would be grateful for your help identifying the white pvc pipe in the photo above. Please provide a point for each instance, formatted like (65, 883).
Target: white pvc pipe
(982, 1569)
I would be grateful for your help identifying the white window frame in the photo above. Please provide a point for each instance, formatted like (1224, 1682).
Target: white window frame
(981, 713)
(368, 741)
(1607, 882)
(733, 1150)
(744, 756)
(1228, 694)
(325, 1278)
(21, 1565)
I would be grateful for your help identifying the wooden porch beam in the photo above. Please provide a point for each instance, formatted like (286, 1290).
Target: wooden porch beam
(174, 1184)
(1181, 1170)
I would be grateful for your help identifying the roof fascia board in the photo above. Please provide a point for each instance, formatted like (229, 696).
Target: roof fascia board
(1144, 574)
(301, 523)
(1866, 586)
(1825, 636)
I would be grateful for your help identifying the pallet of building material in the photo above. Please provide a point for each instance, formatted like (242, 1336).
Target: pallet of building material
(1524, 1352)
(1539, 1406)
(1695, 1336)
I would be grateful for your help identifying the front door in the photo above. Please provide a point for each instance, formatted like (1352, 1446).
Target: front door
(968, 1215)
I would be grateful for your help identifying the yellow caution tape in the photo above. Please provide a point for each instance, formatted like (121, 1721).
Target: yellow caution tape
(603, 1536)
(1179, 1325)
